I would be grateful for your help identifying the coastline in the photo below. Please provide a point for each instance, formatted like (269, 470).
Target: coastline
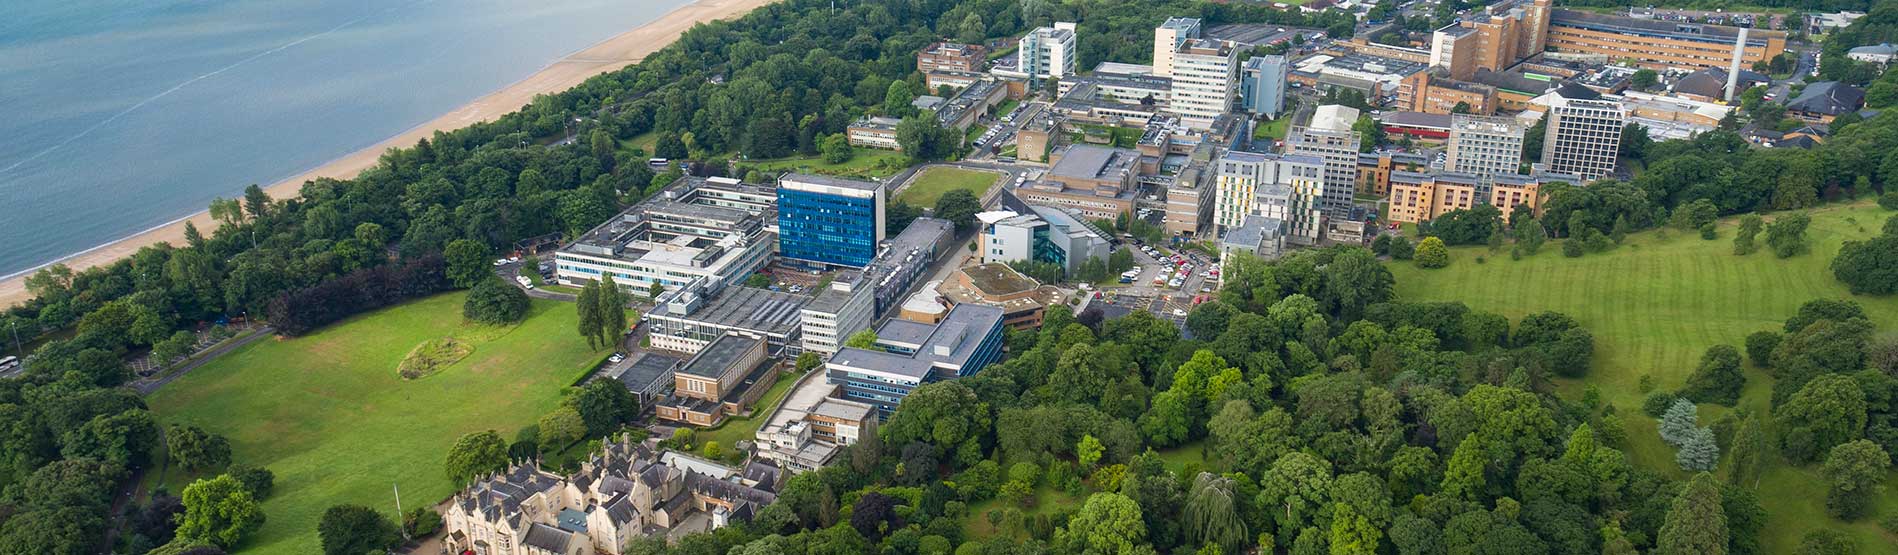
(612, 54)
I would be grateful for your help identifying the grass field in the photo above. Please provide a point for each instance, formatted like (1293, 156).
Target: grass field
(328, 414)
(864, 163)
(1654, 305)
(1274, 129)
(933, 182)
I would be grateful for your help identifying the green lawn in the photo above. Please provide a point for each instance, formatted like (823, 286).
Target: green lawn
(1274, 129)
(864, 163)
(933, 182)
(1048, 500)
(328, 414)
(1654, 305)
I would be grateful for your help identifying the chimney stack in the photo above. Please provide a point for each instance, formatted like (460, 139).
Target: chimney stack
(1733, 71)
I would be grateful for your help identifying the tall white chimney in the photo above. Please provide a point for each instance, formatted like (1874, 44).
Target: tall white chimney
(1733, 71)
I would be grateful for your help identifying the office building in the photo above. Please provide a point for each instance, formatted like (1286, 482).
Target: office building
(713, 229)
(874, 132)
(802, 438)
(1584, 135)
(1424, 196)
(723, 379)
(1094, 180)
(1329, 137)
(854, 299)
(1484, 145)
(1190, 199)
(1168, 38)
(829, 221)
(1046, 234)
(1047, 52)
(909, 354)
(1262, 85)
(686, 319)
(951, 56)
(845, 306)
(1123, 88)
(1205, 77)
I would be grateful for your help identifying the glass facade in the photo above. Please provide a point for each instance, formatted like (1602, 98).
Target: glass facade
(832, 229)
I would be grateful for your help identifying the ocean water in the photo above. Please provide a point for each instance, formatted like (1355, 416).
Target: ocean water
(117, 116)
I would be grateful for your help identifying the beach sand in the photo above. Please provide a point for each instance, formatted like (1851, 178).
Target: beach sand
(609, 55)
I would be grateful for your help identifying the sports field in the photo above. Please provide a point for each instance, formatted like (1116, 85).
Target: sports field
(1654, 305)
(932, 182)
(329, 415)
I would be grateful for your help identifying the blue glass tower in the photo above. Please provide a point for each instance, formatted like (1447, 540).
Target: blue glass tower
(829, 220)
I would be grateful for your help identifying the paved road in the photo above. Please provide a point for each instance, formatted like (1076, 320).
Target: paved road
(147, 387)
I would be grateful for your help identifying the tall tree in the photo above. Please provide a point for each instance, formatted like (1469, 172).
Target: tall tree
(588, 305)
(219, 511)
(1695, 524)
(476, 455)
(1212, 514)
(1107, 524)
(355, 530)
(467, 262)
(1854, 470)
(612, 311)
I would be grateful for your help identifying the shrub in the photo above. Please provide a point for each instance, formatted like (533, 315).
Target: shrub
(1657, 403)
(1760, 345)
(432, 356)
(1572, 248)
(1888, 201)
(1432, 254)
(1709, 232)
(1401, 249)
(495, 302)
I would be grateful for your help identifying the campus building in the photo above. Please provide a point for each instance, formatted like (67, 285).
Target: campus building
(1094, 180)
(1046, 234)
(807, 437)
(1424, 196)
(1494, 39)
(1660, 44)
(1236, 176)
(1330, 138)
(1047, 52)
(854, 299)
(1168, 38)
(908, 354)
(874, 132)
(723, 379)
(1023, 300)
(685, 320)
(951, 56)
(1374, 169)
(1484, 145)
(829, 221)
(1584, 134)
(1190, 199)
(1262, 85)
(711, 229)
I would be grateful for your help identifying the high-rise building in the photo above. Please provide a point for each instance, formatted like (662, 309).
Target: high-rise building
(1167, 39)
(1501, 35)
(1329, 138)
(1262, 85)
(1047, 52)
(1484, 145)
(1583, 137)
(1205, 81)
(829, 220)
(1287, 188)
(1237, 176)
(1304, 178)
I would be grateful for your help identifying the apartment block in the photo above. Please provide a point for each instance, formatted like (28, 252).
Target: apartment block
(1484, 145)
(1047, 52)
(1237, 176)
(951, 56)
(1424, 196)
(1374, 169)
(1584, 136)
(1329, 137)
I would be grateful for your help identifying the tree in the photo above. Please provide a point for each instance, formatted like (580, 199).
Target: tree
(875, 515)
(476, 455)
(1787, 234)
(1749, 448)
(1354, 280)
(561, 427)
(1352, 533)
(1212, 513)
(897, 99)
(1718, 379)
(669, 146)
(1695, 524)
(258, 480)
(467, 262)
(355, 529)
(808, 360)
(612, 311)
(196, 449)
(1868, 267)
(1854, 470)
(958, 206)
(836, 149)
(1828, 411)
(1635, 141)
(866, 339)
(1678, 423)
(1432, 254)
(1107, 524)
(1699, 452)
(1645, 79)
(604, 405)
(1088, 451)
(587, 303)
(219, 511)
(256, 202)
(1370, 133)
(495, 302)
(1743, 240)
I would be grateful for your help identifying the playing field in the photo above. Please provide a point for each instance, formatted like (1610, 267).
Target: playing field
(931, 183)
(328, 414)
(1654, 305)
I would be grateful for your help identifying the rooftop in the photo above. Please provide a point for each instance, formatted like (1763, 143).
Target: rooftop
(718, 358)
(1828, 97)
(947, 345)
(747, 308)
(648, 369)
(996, 279)
(792, 179)
(1652, 28)
(1334, 117)
(1095, 162)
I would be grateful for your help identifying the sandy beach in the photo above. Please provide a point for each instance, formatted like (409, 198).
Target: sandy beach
(608, 55)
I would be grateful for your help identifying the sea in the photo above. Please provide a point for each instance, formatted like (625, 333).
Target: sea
(118, 116)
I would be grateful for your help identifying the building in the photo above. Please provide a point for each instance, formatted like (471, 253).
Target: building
(808, 437)
(1288, 189)
(1660, 44)
(935, 80)
(970, 103)
(686, 319)
(951, 56)
(1047, 234)
(1086, 102)
(1205, 81)
(1189, 199)
(1329, 137)
(1880, 54)
(874, 132)
(623, 492)
(1262, 85)
(1167, 40)
(1377, 77)
(1236, 177)
(723, 379)
(714, 229)
(1484, 145)
(1023, 300)
(1421, 126)
(829, 220)
(649, 377)
(1435, 92)
(1261, 236)
(1047, 52)
(1494, 39)
(1821, 102)
(902, 260)
(1123, 88)
(1710, 84)
(908, 354)
(1035, 140)
(1584, 134)
(1374, 169)
(1424, 196)
(845, 306)
(1094, 180)
(1822, 23)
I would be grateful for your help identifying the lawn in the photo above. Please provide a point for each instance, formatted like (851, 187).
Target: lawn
(1654, 305)
(864, 163)
(328, 414)
(933, 182)
(1274, 129)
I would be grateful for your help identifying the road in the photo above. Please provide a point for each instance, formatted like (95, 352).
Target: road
(147, 387)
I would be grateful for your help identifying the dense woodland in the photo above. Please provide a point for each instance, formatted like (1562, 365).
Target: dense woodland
(1333, 408)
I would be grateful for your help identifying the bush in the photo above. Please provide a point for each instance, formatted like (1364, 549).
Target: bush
(1572, 248)
(1432, 254)
(495, 302)
(1709, 232)
(422, 521)
(432, 356)
(1760, 345)
(1888, 201)
(1401, 249)
(1657, 403)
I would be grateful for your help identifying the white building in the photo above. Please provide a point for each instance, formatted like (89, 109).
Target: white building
(1168, 38)
(843, 308)
(1880, 54)
(1048, 52)
(697, 228)
(1047, 234)
(1484, 145)
(1287, 188)
(1329, 138)
(1583, 138)
(1237, 175)
(1204, 73)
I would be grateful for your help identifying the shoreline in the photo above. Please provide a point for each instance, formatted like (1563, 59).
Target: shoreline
(568, 71)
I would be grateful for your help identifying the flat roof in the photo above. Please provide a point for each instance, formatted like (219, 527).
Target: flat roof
(996, 279)
(648, 369)
(1699, 32)
(748, 308)
(716, 360)
(959, 333)
(1093, 162)
(829, 181)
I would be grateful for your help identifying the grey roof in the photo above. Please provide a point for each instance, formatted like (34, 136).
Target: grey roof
(1093, 162)
(829, 299)
(1828, 97)
(750, 308)
(719, 357)
(958, 335)
(1253, 232)
(831, 181)
(646, 371)
(905, 332)
(1712, 82)
(1883, 49)
(547, 538)
(1418, 119)
(1652, 28)
(1576, 91)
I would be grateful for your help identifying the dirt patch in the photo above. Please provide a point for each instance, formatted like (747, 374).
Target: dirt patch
(432, 356)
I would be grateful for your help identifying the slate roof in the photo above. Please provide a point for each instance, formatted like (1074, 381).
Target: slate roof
(1828, 97)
